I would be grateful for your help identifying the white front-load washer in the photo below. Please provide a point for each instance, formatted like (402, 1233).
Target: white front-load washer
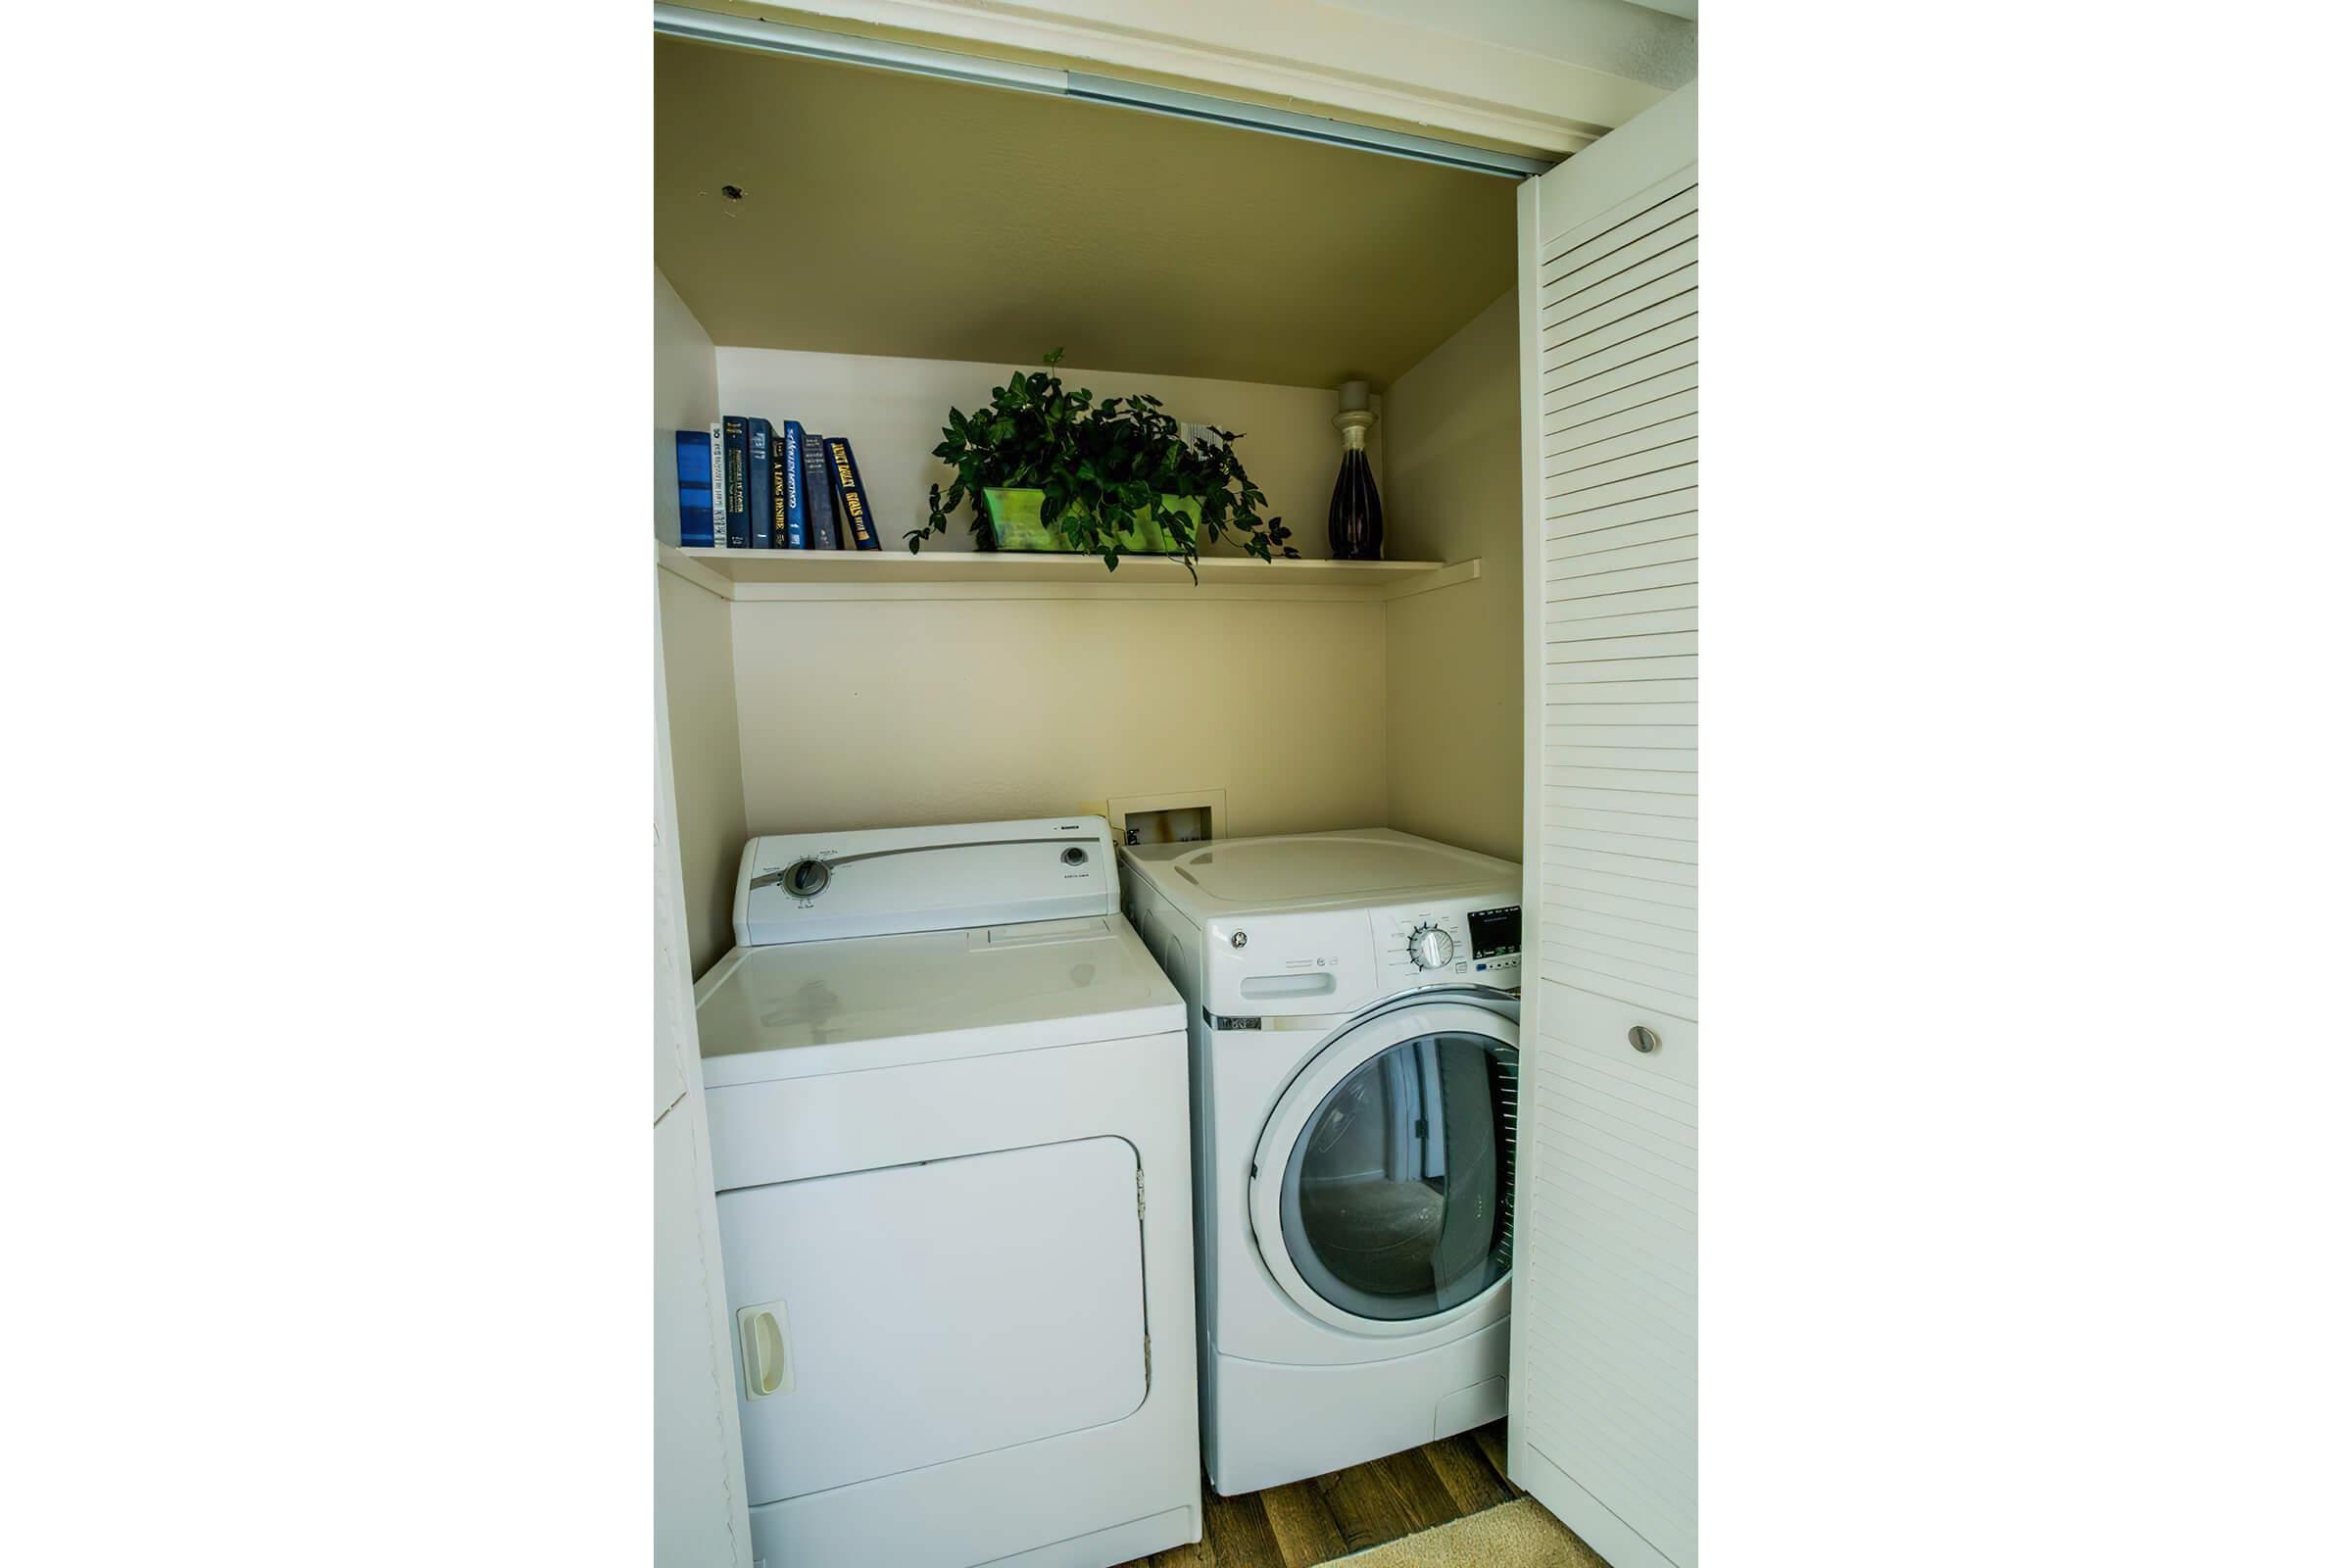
(946, 1097)
(1352, 999)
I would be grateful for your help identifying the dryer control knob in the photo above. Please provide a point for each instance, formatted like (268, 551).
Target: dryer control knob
(1431, 947)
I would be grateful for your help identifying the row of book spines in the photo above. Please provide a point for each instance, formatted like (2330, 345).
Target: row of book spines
(778, 489)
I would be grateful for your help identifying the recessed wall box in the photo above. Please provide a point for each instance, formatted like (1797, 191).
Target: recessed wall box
(1180, 816)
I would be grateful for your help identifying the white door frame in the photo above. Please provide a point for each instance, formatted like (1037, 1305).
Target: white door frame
(699, 1514)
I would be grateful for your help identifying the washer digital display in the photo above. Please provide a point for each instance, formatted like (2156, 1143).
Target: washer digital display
(1493, 931)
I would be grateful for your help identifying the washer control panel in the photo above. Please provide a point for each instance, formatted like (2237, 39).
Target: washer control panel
(1294, 963)
(1495, 937)
(1430, 947)
(1457, 941)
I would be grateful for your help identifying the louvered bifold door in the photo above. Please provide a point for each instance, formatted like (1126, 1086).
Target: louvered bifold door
(1604, 1358)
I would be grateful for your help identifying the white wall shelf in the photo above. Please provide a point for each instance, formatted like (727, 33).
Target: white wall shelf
(757, 574)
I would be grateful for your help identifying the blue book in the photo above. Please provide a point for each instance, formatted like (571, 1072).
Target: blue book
(736, 441)
(760, 479)
(693, 489)
(778, 486)
(823, 532)
(850, 491)
(792, 521)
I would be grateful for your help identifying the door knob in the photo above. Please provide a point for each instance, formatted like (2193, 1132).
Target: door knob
(1643, 1037)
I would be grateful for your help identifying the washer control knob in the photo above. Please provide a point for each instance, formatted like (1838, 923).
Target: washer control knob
(1431, 947)
(806, 879)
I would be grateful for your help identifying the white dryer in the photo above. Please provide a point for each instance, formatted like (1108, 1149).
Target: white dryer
(946, 1099)
(1352, 1004)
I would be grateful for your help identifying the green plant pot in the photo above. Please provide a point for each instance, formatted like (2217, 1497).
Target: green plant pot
(1016, 518)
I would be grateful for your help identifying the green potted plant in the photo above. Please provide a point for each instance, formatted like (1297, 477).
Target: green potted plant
(1047, 468)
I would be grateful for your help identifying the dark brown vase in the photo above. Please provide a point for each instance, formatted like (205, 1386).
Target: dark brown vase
(1354, 510)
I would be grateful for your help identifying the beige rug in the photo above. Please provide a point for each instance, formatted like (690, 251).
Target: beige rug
(1518, 1534)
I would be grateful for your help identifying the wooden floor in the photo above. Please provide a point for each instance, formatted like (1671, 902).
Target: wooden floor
(1364, 1506)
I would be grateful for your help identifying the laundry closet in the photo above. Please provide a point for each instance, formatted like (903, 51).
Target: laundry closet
(860, 246)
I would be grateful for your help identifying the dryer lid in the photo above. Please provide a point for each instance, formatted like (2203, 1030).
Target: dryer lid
(800, 1009)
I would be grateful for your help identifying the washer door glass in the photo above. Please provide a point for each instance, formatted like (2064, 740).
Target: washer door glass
(1397, 1201)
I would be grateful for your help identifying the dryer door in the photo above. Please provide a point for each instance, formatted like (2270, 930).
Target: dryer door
(1382, 1190)
(918, 1314)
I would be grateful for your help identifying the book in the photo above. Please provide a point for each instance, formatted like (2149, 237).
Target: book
(779, 530)
(718, 484)
(840, 512)
(823, 532)
(760, 479)
(857, 518)
(693, 489)
(792, 490)
(734, 440)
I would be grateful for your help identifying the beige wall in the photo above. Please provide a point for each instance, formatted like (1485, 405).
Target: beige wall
(802, 714)
(1451, 491)
(879, 713)
(699, 659)
(891, 411)
(875, 712)
(685, 395)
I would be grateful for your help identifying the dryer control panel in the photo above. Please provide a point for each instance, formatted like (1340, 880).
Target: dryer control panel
(897, 881)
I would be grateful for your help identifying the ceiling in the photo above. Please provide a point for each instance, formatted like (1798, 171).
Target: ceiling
(890, 214)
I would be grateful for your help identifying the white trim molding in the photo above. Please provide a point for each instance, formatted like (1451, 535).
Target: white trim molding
(1546, 77)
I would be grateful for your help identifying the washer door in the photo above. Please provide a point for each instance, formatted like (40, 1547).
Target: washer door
(1382, 1191)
